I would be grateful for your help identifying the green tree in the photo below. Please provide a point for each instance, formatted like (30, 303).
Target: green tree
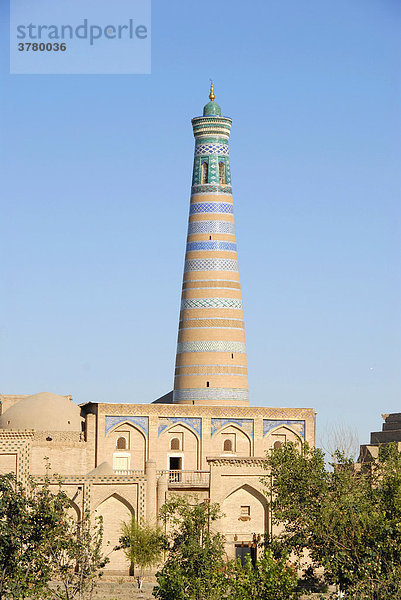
(40, 542)
(30, 521)
(349, 520)
(76, 557)
(143, 544)
(194, 569)
(269, 579)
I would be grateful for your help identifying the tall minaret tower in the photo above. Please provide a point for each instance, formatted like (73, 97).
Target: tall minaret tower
(211, 356)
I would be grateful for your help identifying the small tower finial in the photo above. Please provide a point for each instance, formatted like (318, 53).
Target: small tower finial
(211, 95)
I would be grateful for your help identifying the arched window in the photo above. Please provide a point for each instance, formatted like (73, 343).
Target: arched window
(175, 444)
(228, 446)
(121, 443)
(204, 172)
(222, 174)
(277, 444)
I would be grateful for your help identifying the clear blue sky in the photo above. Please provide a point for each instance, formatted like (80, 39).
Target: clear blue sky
(95, 180)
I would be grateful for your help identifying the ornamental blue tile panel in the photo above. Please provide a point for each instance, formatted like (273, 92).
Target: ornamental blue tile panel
(192, 422)
(298, 426)
(196, 171)
(212, 148)
(211, 188)
(142, 422)
(210, 264)
(245, 424)
(189, 303)
(211, 346)
(192, 394)
(211, 227)
(228, 173)
(216, 245)
(213, 169)
(211, 207)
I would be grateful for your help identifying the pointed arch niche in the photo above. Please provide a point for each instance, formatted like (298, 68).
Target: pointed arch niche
(188, 450)
(279, 436)
(241, 442)
(133, 456)
(246, 510)
(114, 511)
(204, 171)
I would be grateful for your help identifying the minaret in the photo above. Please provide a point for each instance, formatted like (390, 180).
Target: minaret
(211, 356)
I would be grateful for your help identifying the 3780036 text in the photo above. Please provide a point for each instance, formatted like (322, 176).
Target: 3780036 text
(42, 47)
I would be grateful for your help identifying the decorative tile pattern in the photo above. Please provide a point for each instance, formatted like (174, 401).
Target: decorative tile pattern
(267, 412)
(210, 188)
(141, 501)
(214, 169)
(211, 227)
(87, 494)
(211, 303)
(211, 149)
(240, 462)
(194, 423)
(211, 264)
(211, 207)
(196, 171)
(211, 140)
(228, 173)
(298, 426)
(245, 424)
(207, 126)
(218, 346)
(190, 394)
(19, 444)
(142, 422)
(211, 245)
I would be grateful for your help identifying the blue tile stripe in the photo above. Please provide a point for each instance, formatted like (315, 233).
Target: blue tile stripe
(211, 148)
(189, 394)
(211, 188)
(187, 323)
(218, 346)
(211, 207)
(211, 264)
(211, 227)
(211, 303)
(214, 245)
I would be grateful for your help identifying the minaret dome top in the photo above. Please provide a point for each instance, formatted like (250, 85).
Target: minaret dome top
(211, 109)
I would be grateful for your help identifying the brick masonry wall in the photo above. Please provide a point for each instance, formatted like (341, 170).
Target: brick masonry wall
(149, 431)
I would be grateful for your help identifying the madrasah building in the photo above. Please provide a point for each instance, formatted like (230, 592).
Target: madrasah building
(202, 438)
